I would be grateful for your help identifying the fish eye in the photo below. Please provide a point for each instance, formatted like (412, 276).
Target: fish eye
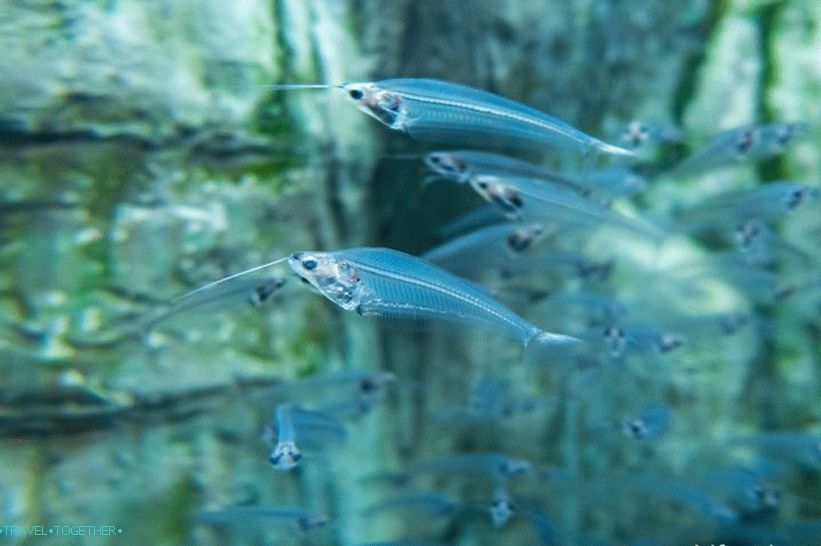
(296, 456)
(309, 264)
(274, 459)
(356, 94)
(482, 185)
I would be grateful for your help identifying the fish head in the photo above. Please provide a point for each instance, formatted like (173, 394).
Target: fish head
(765, 495)
(794, 196)
(263, 291)
(385, 106)
(501, 507)
(745, 139)
(634, 428)
(747, 232)
(447, 164)
(309, 522)
(285, 456)
(589, 270)
(615, 340)
(635, 134)
(502, 195)
(376, 383)
(782, 134)
(669, 341)
(521, 238)
(333, 277)
(514, 467)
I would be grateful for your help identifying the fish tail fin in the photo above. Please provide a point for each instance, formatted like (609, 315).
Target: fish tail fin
(547, 338)
(610, 149)
(548, 346)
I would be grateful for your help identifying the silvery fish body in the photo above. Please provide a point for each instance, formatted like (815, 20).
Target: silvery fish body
(748, 143)
(435, 503)
(285, 455)
(501, 506)
(251, 290)
(443, 112)
(386, 283)
(767, 202)
(650, 424)
(641, 134)
(265, 515)
(760, 246)
(498, 467)
(461, 165)
(471, 253)
(294, 427)
(529, 199)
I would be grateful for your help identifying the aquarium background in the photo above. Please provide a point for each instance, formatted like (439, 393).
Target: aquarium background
(143, 154)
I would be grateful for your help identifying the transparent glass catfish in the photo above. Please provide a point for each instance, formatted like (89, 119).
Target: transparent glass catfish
(470, 255)
(444, 112)
(434, 503)
(527, 199)
(381, 282)
(386, 283)
(292, 424)
(266, 516)
(478, 465)
(461, 165)
(748, 143)
(650, 424)
(768, 202)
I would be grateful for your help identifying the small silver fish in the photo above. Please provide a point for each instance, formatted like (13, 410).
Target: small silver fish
(640, 134)
(434, 503)
(690, 496)
(253, 290)
(303, 520)
(748, 143)
(501, 507)
(749, 488)
(364, 386)
(471, 254)
(462, 165)
(495, 466)
(762, 247)
(521, 198)
(650, 424)
(767, 202)
(295, 426)
(380, 282)
(386, 283)
(285, 454)
(443, 112)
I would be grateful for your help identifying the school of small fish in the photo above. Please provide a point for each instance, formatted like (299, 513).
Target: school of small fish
(566, 281)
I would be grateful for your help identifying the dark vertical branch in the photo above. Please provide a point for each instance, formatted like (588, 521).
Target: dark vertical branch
(766, 20)
(763, 376)
(693, 63)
